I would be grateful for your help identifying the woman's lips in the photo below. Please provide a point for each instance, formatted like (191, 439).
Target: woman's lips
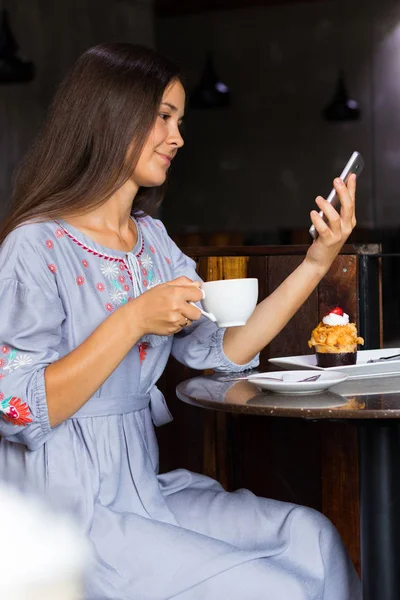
(167, 159)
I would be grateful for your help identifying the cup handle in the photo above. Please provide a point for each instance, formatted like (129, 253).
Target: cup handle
(203, 312)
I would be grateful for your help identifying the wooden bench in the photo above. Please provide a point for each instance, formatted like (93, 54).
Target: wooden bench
(310, 463)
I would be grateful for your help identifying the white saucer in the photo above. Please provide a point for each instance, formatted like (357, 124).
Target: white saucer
(290, 381)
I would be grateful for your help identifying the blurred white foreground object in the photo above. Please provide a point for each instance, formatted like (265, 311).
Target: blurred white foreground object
(42, 554)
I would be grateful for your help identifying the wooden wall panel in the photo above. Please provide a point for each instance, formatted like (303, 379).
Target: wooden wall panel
(339, 469)
(340, 288)
(293, 338)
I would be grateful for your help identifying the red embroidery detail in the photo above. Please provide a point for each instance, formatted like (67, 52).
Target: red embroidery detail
(52, 268)
(126, 287)
(121, 279)
(5, 349)
(144, 272)
(101, 287)
(152, 249)
(18, 412)
(128, 271)
(2, 375)
(2, 363)
(142, 351)
(94, 252)
(59, 233)
(80, 280)
(122, 264)
(168, 260)
(109, 307)
(145, 282)
(1, 396)
(85, 263)
(49, 244)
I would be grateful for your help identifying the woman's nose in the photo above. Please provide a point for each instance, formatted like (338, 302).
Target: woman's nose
(176, 138)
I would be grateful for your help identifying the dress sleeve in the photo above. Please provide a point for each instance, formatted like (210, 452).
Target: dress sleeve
(200, 346)
(30, 332)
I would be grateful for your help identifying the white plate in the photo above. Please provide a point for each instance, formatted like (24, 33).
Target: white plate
(291, 383)
(358, 371)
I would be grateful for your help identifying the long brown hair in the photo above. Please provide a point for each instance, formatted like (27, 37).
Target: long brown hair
(107, 102)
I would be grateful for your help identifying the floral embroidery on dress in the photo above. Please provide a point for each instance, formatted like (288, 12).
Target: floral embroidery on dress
(118, 297)
(146, 261)
(147, 267)
(142, 351)
(14, 361)
(117, 288)
(109, 270)
(5, 349)
(116, 269)
(49, 244)
(14, 411)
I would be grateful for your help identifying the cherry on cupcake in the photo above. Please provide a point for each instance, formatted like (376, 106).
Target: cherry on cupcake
(337, 311)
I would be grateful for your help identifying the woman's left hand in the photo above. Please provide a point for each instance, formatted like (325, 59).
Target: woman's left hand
(333, 233)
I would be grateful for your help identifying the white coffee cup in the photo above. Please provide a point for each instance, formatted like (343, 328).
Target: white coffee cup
(229, 302)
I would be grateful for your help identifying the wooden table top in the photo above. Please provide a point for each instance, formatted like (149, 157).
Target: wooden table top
(369, 398)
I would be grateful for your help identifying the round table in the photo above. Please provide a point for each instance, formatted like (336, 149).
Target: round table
(373, 405)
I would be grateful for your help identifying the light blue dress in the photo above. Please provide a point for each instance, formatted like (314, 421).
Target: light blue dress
(154, 537)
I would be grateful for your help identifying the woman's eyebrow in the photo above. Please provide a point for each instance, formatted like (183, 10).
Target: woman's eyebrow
(172, 107)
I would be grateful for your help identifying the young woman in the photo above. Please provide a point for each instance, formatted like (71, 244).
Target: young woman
(94, 297)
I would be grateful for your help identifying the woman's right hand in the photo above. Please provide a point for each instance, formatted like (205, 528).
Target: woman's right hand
(165, 308)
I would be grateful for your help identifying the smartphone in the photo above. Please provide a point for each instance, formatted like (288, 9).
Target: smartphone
(354, 165)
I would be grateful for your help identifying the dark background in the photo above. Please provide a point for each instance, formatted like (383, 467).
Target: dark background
(248, 173)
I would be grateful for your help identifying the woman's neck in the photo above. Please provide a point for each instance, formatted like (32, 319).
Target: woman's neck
(110, 224)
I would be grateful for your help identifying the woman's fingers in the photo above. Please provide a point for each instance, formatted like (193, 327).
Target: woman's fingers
(190, 312)
(184, 281)
(320, 225)
(337, 224)
(331, 225)
(347, 194)
(351, 186)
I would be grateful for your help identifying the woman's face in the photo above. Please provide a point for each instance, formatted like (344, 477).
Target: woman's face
(164, 140)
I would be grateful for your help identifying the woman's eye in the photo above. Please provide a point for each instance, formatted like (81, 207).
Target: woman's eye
(164, 116)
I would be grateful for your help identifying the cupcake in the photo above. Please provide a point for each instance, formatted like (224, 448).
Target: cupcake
(335, 340)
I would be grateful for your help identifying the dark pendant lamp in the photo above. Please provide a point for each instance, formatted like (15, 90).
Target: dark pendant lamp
(342, 107)
(12, 68)
(210, 92)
